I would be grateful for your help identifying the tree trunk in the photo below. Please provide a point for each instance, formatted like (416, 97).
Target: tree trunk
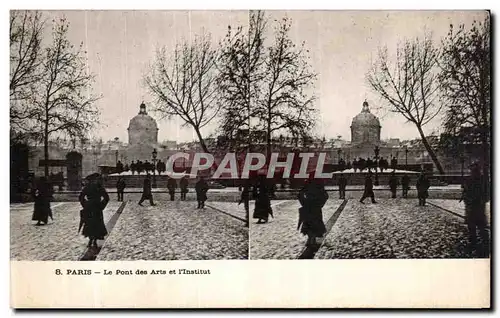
(201, 140)
(430, 150)
(46, 151)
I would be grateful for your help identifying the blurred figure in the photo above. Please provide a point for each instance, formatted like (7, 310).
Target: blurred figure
(171, 186)
(201, 188)
(120, 188)
(342, 186)
(368, 192)
(245, 199)
(393, 184)
(262, 202)
(93, 198)
(43, 194)
(147, 194)
(474, 196)
(423, 185)
(405, 183)
(312, 197)
(183, 184)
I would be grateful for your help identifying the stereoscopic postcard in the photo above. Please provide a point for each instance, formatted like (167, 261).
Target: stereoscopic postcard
(250, 159)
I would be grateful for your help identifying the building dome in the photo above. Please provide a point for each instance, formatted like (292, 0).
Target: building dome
(142, 128)
(365, 127)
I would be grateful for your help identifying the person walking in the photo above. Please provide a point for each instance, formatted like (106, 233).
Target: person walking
(120, 188)
(171, 186)
(312, 197)
(393, 184)
(342, 186)
(262, 203)
(43, 194)
(201, 189)
(405, 184)
(423, 185)
(474, 197)
(368, 191)
(183, 184)
(147, 194)
(245, 199)
(93, 199)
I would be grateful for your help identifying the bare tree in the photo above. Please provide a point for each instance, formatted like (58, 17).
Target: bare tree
(61, 102)
(240, 70)
(466, 83)
(285, 103)
(183, 84)
(26, 30)
(409, 84)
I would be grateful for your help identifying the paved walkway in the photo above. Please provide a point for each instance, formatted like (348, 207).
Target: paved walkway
(395, 228)
(59, 240)
(279, 238)
(175, 230)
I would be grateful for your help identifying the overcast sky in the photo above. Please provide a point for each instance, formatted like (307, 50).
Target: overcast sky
(342, 44)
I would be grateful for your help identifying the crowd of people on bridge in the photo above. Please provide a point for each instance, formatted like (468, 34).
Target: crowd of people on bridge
(360, 164)
(139, 167)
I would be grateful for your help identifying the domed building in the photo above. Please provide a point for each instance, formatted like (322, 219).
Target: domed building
(365, 128)
(142, 129)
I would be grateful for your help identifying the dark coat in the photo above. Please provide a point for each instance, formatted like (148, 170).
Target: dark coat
(405, 181)
(393, 183)
(93, 199)
(312, 198)
(201, 189)
(171, 185)
(368, 187)
(423, 185)
(120, 185)
(184, 185)
(474, 196)
(146, 189)
(42, 210)
(262, 204)
(342, 182)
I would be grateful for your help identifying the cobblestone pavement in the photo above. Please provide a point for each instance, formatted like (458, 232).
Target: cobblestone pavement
(174, 230)
(395, 228)
(459, 207)
(279, 238)
(59, 240)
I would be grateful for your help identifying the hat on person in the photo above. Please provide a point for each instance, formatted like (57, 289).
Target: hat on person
(93, 176)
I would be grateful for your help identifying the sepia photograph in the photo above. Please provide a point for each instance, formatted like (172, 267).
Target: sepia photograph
(162, 135)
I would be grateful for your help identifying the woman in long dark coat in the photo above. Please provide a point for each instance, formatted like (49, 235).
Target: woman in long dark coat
(93, 199)
(312, 198)
(423, 185)
(262, 203)
(201, 189)
(43, 194)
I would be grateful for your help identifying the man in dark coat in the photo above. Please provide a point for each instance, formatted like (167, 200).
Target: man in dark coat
(312, 198)
(245, 199)
(368, 192)
(147, 194)
(184, 187)
(93, 198)
(394, 163)
(201, 188)
(262, 208)
(120, 188)
(171, 186)
(423, 185)
(393, 184)
(405, 183)
(474, 197)
(342, 186)
(43, 194)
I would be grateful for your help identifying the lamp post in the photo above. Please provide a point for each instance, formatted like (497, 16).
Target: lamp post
(377, 151)
(155, 154)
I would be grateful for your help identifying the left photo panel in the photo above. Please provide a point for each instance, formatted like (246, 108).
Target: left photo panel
(108, 110)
